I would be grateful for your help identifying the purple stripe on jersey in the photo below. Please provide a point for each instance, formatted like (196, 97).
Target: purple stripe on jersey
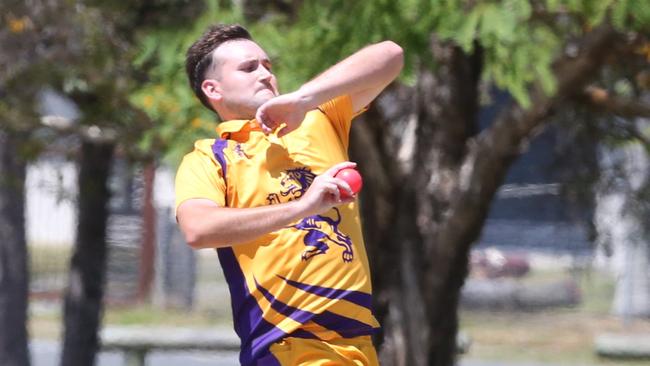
(218, 150)
(268, 360)
(346, 327)
(300, 333)
(355, 297)
(301, 316)
(255, 333)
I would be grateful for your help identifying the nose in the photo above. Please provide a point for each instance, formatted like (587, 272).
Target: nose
(264, 73)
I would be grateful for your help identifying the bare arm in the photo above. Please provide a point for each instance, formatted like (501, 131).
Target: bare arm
(362, 76)
(207, 225)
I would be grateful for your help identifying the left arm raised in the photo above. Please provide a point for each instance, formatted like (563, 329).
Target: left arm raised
(362, 76)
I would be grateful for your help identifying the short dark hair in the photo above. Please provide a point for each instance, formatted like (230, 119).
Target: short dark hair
(199, 56)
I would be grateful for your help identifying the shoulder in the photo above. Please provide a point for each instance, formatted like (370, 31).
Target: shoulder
(208, 148)
(203, 153)
(341, 105)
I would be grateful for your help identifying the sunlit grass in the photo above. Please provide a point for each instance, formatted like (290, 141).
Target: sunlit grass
(149, 315)
(47, 324)
(557, 336)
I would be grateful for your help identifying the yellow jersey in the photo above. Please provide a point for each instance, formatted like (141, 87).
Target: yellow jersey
(310, 279)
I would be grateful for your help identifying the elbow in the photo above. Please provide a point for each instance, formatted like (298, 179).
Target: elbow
(197, 240)
(193, 239)
(197, 226)
(193, 236)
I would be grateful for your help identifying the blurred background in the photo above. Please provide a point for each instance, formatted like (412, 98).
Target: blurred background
(506, 201)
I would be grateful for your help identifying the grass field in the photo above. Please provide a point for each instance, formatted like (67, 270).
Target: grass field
(560, 336)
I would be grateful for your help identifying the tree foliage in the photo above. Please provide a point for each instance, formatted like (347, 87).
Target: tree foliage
(519, 40)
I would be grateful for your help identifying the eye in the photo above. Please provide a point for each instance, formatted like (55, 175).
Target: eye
(249, 66)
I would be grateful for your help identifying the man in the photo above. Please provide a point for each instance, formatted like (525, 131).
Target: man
(264, 193)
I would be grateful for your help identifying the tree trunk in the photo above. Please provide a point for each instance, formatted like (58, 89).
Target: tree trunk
(622, 219)
(429, 213)
(448, 119)
(14, 278)
(84, 295)
(148, 243)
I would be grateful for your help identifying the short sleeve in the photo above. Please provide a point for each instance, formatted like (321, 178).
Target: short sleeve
(200, 176)
(340, 113)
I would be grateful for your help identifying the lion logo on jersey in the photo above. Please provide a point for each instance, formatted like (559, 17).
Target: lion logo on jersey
(296, 182)
(321, 230)
(317, 238)
(294, 185)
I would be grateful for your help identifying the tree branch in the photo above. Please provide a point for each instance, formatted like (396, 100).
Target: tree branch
(491, 153)
(601, 100)
(629, 130)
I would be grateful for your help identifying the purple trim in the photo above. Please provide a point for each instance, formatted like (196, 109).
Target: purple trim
(300, 333)
(346, 327)
(356, 297)
(268, 360)
(218, 150)
(301, 316)
(255, 333)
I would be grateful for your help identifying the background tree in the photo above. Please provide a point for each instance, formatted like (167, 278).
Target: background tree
(457, 168)
(24, 51)
(80, 49)
(14, 279)
(100, 82)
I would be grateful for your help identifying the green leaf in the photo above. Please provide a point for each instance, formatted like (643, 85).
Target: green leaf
(467, 31)
(553, 5)
(498, 23)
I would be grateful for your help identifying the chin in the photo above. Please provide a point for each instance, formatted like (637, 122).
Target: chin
(261, 100)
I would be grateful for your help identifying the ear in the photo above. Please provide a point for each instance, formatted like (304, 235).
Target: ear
(212, 89)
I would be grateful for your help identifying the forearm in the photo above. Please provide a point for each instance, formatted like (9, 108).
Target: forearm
(372, 67)
(362, 76)
(210, 226)
(207, 225)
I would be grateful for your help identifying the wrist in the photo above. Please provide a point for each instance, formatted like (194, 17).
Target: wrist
(298, 209)
(306, 98)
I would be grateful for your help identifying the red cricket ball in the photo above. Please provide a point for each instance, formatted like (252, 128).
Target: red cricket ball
(353, 178)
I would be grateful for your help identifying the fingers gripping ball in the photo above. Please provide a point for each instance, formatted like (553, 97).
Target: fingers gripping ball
(352, 178)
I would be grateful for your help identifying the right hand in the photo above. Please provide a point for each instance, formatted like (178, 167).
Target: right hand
(289, 109)
(323, 194)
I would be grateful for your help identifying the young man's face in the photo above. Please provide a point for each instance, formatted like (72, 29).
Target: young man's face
(243, 79)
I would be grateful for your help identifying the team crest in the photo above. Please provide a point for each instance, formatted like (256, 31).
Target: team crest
(321, 231)
(294, 184)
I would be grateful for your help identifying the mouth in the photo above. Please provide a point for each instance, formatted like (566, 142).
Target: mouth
(268, 90)
(267, 86)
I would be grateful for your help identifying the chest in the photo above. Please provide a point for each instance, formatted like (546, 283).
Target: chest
(267, 170)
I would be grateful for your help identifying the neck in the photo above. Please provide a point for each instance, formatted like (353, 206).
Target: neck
(228, 114)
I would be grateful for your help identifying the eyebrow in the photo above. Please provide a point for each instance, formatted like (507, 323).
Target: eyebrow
(253, 59)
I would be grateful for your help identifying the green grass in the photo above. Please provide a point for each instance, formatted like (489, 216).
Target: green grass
(149, 315)
(46, 260)
(560, 336)
(47, 325)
